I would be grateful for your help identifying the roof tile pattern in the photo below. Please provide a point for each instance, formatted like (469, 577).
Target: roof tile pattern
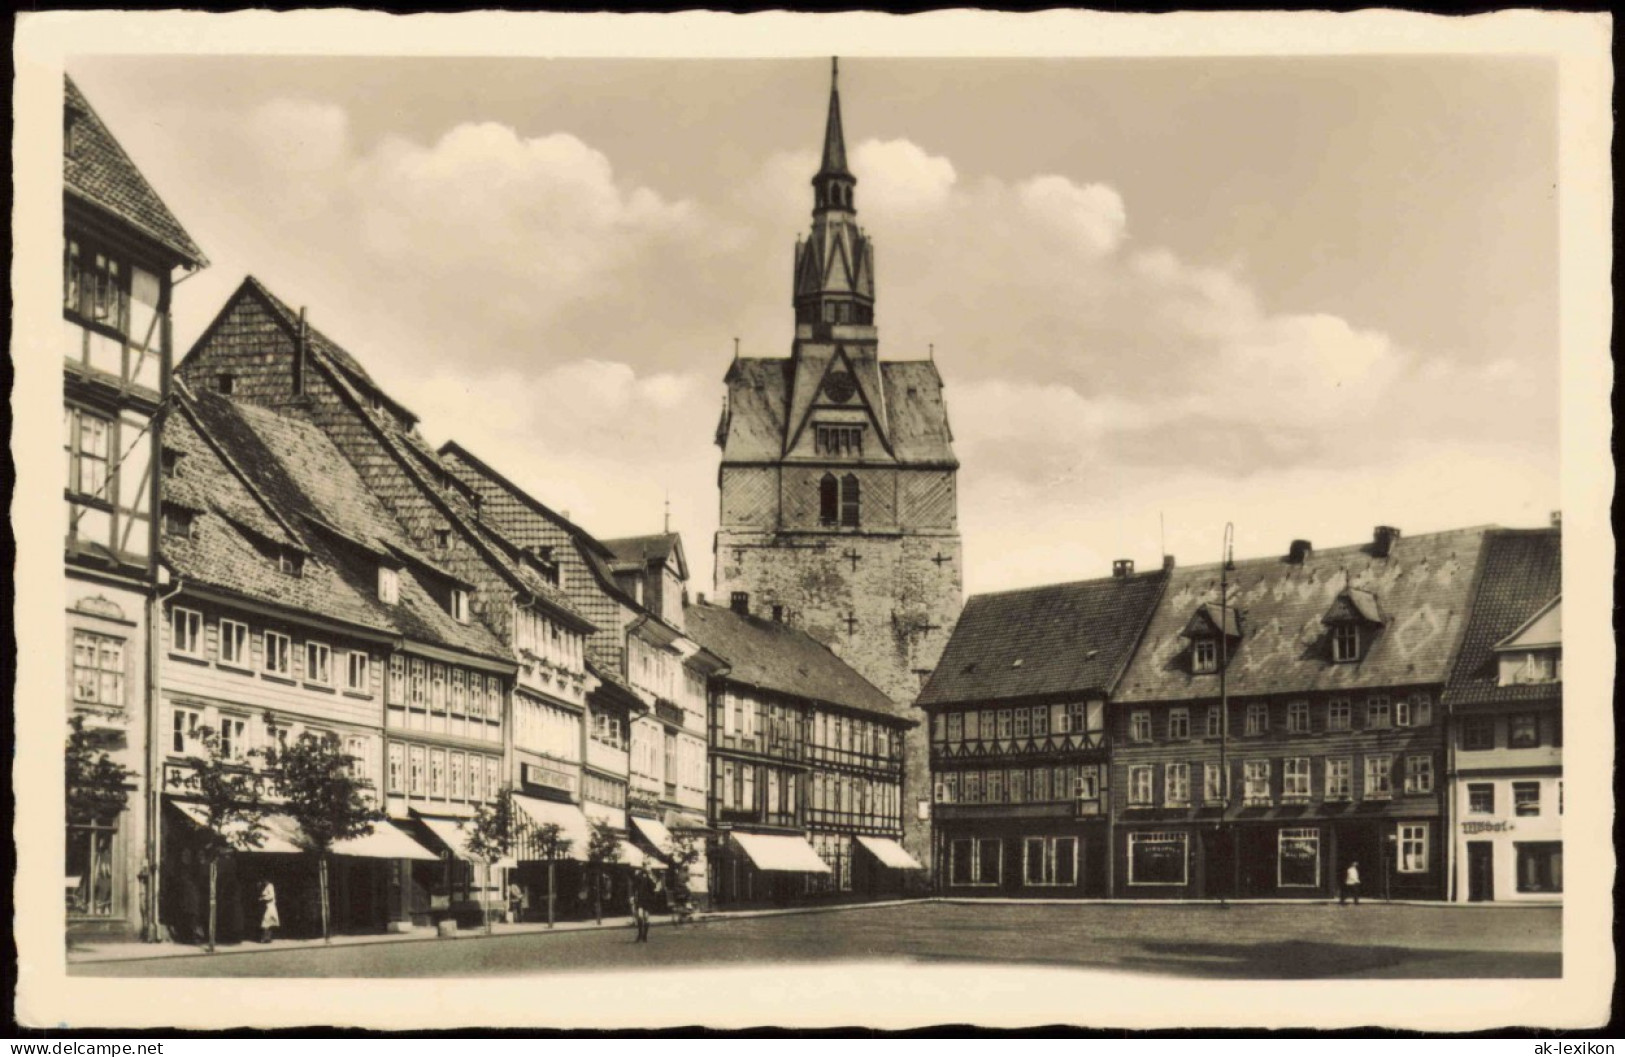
(1522, 572)
(786, 660)
(1058, 639)
(1422, 589)
(96, 169)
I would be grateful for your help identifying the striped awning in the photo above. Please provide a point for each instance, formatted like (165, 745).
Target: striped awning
(453, 833)
(780, 854)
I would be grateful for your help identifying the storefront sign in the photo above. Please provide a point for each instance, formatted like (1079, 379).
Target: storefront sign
(549, 777)
(1469, 828)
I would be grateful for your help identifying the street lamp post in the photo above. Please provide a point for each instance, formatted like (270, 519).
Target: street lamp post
(1225, 832)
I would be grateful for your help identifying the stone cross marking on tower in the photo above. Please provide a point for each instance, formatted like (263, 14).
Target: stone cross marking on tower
(854, 557)
(851, 622)
(941, 558)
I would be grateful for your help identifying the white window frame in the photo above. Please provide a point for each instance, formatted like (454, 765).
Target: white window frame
(1258, 719)
(1253, 772)
(1212, 784)
(232, 731)
(395, 769)
(186, 631)
(1204, 655)
(358, 672)
(1413, 847)
(1176, 784)
(1379, 773)
(1414, 710)
(1481, 787)
(1215, 722)
(1309, 834)
(1141, 785)
(389, 585)
(1518, 802)
(1379, 705)
(1297, 717)
(284, 645)
(459, 605)
(236, 650)
(1418, 775)
(184, 722)
(1339, 714)
(1139, 726)
(1049, 858)
(1161, 837)
(1179, 724)
(1295, 781)
(1340, 786)
(1345, 643)
(318, 663)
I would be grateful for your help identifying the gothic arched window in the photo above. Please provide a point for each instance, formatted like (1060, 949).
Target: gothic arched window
(849, 500)
(829, 500)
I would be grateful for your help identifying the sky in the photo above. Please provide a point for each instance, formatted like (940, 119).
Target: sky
(1305, 295)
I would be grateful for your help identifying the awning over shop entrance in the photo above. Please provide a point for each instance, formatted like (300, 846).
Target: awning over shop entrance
(658, 836)
(890, 853)
(453, 833)
(281, 836)
(632, 855)
(781, 854)
(272, 839)
(571, 822)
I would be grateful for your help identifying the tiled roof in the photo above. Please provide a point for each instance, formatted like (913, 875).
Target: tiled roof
(780, 658)
(283, 471)
(641, 550)
(1058, 639)
(1422, 588)
(912, 401)
(96, 169)
(1522, 572)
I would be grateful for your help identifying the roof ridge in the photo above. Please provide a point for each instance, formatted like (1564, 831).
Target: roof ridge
(189, 406)
(1148, 574)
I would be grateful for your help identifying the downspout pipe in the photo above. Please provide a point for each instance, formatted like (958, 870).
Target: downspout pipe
(153, 931)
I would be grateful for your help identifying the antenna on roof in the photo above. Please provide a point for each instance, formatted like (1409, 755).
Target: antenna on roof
(736, 350)
(931, 351)
(667, 529)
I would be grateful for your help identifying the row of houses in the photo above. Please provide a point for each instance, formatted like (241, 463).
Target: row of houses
(261, 544)
(1255, 728)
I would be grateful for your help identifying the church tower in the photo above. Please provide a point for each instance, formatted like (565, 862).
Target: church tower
(838, 477)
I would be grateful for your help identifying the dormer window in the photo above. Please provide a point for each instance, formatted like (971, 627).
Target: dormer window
(291, 562)
(1204, 655)
(459, 605)
(1352, 623)
(389, 585)
(442, 539)
(1346, 643)
(1214, 637)
(178, 522)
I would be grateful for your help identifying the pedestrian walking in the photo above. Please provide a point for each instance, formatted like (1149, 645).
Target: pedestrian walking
(644, 890)
(1351, 885)
(269, 921)
(516, 902)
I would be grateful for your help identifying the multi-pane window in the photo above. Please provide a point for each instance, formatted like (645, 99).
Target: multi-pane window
(1379, 774)
(395, 686)
(1339, 714)
(98, 669)
(1050, 861)
(1139, 785)
(1018, 787)
(458, 771)
(1256, 782)
(1006, 723)
(1378, 712)
(318, 663)
(975, 861)
(1295, 778)
(1023, 723)
(420, 684)
(1158, 858)
(278, 654)
(1179, 724)
(1140, 726)
(838, 440)
(389, 585)
(1418, 774)
(1040, 722)
(437, 687)
(838, 500)
(1258, 718)
(1415, 710)
(437, 773)
(89, 443)
(357, 676)
(1478, 733)
(187, 628)
(183, 728)
(956, 726)
(395, 775)
(1204, 655)
(1176, 779)
(1340, 779)
(1413, 848)
(1297, 717)
(1215, 722)
(1526, 798)
(234, 643)
(1040, 784)
(995, 787)
(1481, 798)
(418, 765)
(1212, 783)
(233, 738)
(1345, 643)
(1523, 731)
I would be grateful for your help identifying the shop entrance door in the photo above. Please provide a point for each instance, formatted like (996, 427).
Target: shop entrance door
(1480, 871)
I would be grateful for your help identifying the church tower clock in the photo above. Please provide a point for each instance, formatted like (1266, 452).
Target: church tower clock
(838, 476)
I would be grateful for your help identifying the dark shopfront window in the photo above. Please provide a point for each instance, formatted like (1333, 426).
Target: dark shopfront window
(90, 871)
(1540, 866)
(1157, 858)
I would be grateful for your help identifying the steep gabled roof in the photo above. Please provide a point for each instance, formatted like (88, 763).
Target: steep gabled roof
(1422, 587)
(1521, 576)
(96, 170)
(641, 550)
(1073, 638)
(786, 660)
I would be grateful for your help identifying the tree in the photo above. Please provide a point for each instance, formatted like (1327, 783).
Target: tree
(325, 796)
(97, 790)
(684, 853)
(233, 810)
(499, 825)
(603, 850)
(551, 845)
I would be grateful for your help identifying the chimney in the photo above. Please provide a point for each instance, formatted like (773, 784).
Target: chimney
(739, 602)
(1382, 540)
(1557, 519)
(1168, 562)
(1123, 567)
(1300, 551)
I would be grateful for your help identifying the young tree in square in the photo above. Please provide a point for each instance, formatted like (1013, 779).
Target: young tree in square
(603, 851)
(686, 850)
(97, 789)
(327, 798)
(498, 827)
(550, 845)
(234, 808)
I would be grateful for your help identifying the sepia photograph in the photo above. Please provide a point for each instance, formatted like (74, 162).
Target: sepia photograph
(585, 500)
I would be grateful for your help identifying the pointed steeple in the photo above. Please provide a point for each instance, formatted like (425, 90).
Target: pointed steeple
(834, 163)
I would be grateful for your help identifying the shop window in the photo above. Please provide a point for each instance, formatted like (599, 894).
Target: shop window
(98, 670)
(1526, 799)
(234, 643)
(1481, 798)
(1478, 733)
(1523, 731)
(1413, 848)
(1298, 858)
(90, 870)
(1540, 866)
(1158, 858)
(1050, 862)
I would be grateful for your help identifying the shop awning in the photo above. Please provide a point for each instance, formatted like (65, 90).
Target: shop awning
(658, 836)
(632, 855)
(275, 839)
(684, 822)
(452, 833)
(780, 854)
(571, 822)
(890, 853)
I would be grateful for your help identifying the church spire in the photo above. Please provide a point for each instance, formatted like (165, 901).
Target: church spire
(834, 163)
(834, 277)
